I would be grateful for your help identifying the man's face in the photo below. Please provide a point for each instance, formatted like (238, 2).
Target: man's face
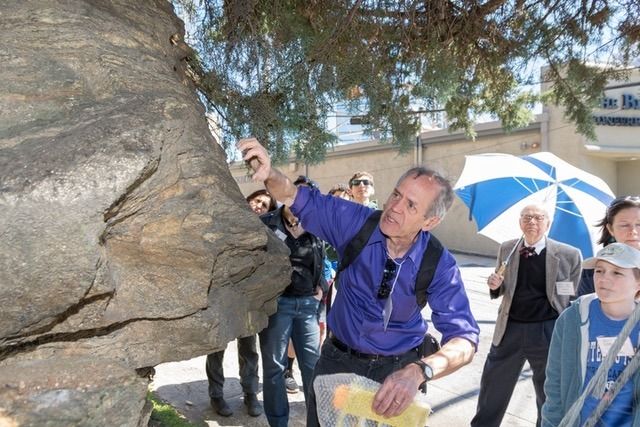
(405, 210)
(534, 223)
(361, 188)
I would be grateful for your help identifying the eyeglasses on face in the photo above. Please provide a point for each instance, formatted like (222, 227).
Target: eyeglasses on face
(356, 182)
(390, 268)
(535, 218)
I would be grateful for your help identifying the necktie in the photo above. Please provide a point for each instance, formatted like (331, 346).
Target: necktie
(527, 251)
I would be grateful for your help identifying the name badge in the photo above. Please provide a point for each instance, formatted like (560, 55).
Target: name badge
(281, 235)
(565, 288)
(605, 343)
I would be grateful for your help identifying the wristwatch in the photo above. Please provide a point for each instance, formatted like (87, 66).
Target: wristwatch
(427, 372)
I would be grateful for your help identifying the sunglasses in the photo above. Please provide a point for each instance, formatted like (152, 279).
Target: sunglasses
(356, 182)
(390, 268)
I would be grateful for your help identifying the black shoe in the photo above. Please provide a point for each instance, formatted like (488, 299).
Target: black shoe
(290, 382)
(220, 406)
(253, 406)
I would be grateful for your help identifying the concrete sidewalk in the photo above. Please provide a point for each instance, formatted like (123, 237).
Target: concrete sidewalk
(453, 398)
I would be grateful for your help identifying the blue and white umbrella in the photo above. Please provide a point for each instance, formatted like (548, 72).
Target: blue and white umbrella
(496, 187)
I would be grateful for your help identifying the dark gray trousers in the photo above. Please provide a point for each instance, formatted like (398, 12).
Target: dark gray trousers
(521, 341)
(248, 361)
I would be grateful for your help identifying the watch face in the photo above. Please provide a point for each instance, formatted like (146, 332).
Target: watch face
(428, 372)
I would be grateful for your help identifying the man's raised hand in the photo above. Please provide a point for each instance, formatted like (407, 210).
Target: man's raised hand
(256, 157)
(275, 181)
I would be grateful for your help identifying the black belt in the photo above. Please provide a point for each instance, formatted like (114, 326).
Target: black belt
(346, 349)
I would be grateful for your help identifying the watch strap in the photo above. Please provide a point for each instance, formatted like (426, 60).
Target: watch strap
(423, 369)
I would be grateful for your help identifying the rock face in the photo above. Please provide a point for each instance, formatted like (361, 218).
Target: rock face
(124, 241)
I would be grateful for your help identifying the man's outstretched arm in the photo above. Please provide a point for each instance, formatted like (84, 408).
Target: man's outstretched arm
(277, 183)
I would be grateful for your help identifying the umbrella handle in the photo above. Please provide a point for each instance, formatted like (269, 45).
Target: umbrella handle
(500, 270)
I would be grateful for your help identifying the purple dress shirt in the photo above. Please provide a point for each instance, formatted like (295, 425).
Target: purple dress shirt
(356, 315)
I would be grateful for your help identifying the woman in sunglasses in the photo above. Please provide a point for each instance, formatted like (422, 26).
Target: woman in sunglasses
(620, 224)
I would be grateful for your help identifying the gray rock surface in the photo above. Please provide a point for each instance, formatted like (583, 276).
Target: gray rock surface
(96, 392)
(124, 240)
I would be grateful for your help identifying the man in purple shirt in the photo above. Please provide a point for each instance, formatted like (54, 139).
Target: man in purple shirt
(375, 322)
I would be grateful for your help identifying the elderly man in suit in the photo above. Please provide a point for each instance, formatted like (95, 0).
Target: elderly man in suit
(536, 285)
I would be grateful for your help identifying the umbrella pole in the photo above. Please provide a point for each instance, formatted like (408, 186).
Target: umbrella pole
(500, 270)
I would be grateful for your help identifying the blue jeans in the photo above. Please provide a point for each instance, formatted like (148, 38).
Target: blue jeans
(296, 318)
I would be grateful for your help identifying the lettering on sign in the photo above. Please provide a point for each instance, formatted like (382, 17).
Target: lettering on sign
(626, 102)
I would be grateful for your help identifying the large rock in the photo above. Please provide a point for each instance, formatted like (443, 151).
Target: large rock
(124, 240)
(96, 392)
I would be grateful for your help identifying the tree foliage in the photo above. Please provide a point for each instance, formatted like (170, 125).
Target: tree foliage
(276, 68)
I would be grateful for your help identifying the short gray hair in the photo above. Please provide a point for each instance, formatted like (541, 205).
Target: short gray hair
(539, 206)
(443, 202)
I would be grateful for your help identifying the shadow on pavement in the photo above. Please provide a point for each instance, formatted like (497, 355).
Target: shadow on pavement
(525, 375)
(191, 399)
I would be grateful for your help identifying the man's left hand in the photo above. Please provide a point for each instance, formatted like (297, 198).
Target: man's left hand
(398, 391)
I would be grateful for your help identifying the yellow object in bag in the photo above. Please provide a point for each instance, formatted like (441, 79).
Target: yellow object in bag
(357, 401)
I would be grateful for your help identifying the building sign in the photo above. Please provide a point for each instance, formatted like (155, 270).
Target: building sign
(626, 102)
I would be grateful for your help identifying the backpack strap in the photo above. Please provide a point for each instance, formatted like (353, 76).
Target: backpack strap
(353, 249)
(355, 246)
(427, 269)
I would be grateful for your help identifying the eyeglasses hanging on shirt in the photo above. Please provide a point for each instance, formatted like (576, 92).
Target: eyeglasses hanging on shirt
(391, 271)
